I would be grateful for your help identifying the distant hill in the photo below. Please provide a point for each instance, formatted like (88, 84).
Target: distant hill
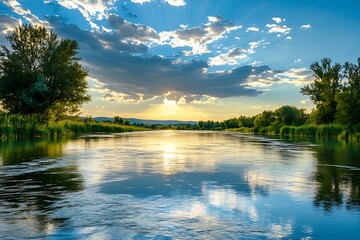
(147, 122)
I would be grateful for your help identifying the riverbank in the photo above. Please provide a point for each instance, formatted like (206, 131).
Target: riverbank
(317, 131)
(27, 127)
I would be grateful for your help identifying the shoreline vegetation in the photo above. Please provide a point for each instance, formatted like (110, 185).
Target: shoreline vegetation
(307, 131)
(19, 127)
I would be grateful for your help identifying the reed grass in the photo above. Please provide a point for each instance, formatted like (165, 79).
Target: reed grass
(24, 127)
(316, 131)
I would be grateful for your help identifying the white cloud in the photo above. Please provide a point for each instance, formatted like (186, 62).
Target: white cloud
(229, 58)
(17, 8)
(277, 19)
(253, 29)
(8, 24)
(90, 9)
(177, 3)
(255, 45)
(256, 63)
(141, 1)
(296, 76)
(305, 26)
(127, 32)
(288, 37)
(297, 60)
(135, 75)
(198, 38)
(275, 28)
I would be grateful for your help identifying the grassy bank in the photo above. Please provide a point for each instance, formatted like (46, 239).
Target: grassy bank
(317, 131)
(23, 127)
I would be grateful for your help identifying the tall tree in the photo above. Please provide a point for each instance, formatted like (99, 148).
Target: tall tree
(41, 74)
(290, 115)
(322, 91)
(264, 119)
(348, 107)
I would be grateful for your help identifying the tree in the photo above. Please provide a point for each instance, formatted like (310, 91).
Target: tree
(41, 75)
(118, 120)
(245, 121)
(290, 115)
(348, 107)
(231, 123)
(264, 119)
(322, 91)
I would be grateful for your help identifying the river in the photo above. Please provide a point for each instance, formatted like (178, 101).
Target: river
(179, 185)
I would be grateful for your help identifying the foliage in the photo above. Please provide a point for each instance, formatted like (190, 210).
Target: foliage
(15, 126)
(290, 115)
(246, 121)
(335, 92)
(264, 119)
(267, 121)
(118, 120)
(348, 107)
(41, 74)
(323, 89)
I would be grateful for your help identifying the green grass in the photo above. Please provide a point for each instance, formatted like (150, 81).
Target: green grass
(25, 127)
(317, 131)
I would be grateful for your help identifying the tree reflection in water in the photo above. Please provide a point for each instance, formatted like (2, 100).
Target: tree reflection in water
(32, 180)
(338, 175)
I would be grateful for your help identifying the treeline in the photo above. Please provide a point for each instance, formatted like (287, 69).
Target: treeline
(284, 121)
(265, 121)
(335, 92)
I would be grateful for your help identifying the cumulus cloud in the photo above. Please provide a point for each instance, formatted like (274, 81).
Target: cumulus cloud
(274, 28)
(141, 1)
(126, 32)
(17, 8)
(7, 24)
(277, 19)
(91, 9)
(305, 26)
(296, 76)
(235, 54)
(252, 29)
(255, 45)
(176, 3)
(198, 38)
(277, 28)
(230, 57)
(132, 76)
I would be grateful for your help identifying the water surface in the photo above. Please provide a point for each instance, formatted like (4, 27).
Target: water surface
(179, 185)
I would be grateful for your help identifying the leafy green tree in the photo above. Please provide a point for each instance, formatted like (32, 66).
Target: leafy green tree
(118, 120)
(41, 74)
(322, 91)
(231, 123)
(264, 119)
(245, 121)
(348, 107)
(290, 115)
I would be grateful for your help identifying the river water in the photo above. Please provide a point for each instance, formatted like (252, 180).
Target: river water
(179, 185)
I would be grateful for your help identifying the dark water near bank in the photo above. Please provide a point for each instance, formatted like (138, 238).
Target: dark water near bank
(179, 185)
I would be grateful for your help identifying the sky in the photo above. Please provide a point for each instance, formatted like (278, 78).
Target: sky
(195, 59)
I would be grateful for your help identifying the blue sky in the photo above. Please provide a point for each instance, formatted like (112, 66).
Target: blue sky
(192, 59)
